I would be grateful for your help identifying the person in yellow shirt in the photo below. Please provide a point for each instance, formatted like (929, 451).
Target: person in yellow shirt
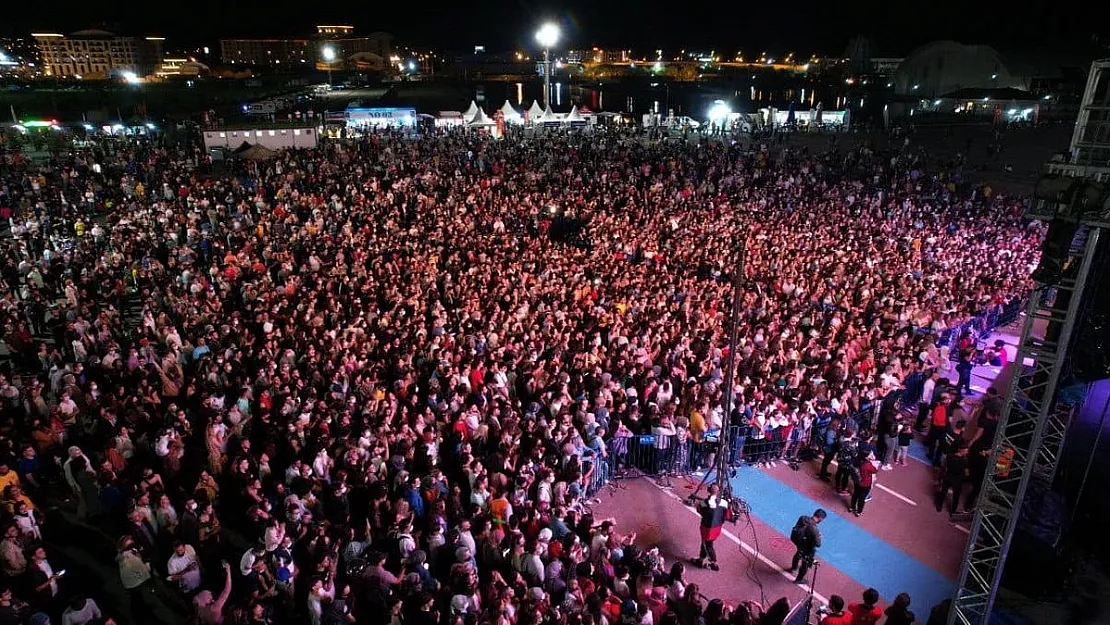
(697, 425)
(7, 476)
(13, 495)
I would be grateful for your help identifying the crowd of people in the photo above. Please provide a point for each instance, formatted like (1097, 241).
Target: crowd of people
(374, 381)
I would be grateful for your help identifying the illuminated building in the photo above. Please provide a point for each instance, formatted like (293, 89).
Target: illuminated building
(300, 53)
(97, 54)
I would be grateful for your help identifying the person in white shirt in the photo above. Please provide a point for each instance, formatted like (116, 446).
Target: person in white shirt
(246, 563)
(27, 522)
(184, 568)
(927, 392)
(81, 611)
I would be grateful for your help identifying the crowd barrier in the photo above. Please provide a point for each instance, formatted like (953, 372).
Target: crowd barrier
(666, 454)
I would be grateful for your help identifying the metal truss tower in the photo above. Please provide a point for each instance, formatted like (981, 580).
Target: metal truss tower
(1034, 424)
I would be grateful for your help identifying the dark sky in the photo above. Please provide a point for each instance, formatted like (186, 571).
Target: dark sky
(802, 26)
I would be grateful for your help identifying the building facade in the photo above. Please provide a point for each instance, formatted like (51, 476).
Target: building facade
(267, 52)
(598, 55)
(307, 52)
(97, 54)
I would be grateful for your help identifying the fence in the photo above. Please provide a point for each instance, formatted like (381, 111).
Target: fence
(663, 454)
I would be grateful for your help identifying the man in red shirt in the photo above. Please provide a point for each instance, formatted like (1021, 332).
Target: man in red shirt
(864, 481)
(836, 614)
(866, 613)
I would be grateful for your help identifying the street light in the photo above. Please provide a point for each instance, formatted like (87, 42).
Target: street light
(329, 57)
(547, 36)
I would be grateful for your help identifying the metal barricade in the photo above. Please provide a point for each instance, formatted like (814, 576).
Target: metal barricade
(679, 454)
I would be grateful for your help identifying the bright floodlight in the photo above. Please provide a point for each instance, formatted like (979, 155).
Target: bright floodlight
(719, 112)
(131, 77)
(548, 35)
(328, 53)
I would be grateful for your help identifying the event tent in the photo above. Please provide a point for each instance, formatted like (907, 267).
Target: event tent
(481, 119)
(573, 117)
(253, 152)
(471, 111)
(535, 112)
(510, 114)
(548, 117)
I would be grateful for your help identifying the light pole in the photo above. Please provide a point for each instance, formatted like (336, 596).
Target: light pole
(329, 57)
(547, 36)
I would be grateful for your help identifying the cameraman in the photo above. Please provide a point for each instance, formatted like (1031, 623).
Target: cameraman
(807, 539)
(714, 512)
(835, 614)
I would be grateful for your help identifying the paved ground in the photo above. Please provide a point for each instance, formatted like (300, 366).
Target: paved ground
(900, 544)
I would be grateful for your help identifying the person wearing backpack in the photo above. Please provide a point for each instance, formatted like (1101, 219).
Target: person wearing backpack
(807, 539)
(846, 460)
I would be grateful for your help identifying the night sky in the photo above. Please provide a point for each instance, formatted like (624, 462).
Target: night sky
(801, 26)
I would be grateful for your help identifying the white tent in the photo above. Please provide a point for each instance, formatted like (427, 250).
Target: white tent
(549, 118)
(471, 111)
(510, 114)
(481, 119)
(574, 117)
(535, 112)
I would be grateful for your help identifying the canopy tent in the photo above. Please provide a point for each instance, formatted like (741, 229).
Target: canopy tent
(574, 117)
(509, 113)
(548, 117)
(583, 111)
(471, 111)
(481, 119)
(254, 152)
(535, 112)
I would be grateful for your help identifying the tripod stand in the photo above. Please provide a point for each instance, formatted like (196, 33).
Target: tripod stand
(812, 585)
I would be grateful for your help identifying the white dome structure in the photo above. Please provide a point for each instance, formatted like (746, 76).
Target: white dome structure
(942, 67)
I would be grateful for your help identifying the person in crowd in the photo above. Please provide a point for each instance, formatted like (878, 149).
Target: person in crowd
(954, 478)
(807, 540)
(835, 614)
(81, 611)
(866, 612)
(898, 613)
(864, 480)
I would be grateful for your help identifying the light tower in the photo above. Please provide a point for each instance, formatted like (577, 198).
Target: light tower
(547, 36)
(328, 53)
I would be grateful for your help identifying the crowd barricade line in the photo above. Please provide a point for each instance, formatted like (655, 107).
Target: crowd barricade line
(657, 455)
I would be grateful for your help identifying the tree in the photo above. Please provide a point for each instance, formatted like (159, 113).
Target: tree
(683, 72)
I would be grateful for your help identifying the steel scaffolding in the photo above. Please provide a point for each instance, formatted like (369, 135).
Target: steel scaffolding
(1030, 433)
(1033, 425)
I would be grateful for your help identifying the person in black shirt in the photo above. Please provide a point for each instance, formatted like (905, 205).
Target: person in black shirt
(955, 472)
(807, 539)
(979, 454)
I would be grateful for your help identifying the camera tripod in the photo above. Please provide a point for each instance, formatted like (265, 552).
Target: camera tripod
(812, 585)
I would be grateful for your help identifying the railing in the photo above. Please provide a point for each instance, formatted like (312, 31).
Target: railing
(680, 454)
